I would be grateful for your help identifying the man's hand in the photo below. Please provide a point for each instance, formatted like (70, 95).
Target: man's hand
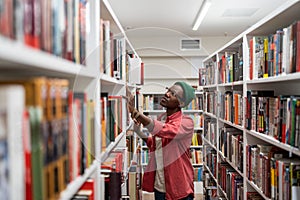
(130, 100)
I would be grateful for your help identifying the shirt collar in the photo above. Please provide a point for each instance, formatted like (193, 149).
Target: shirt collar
(174, 116)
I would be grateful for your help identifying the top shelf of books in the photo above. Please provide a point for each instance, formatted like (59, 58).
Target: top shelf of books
(47, 40)
(107, 13)
(16, 57)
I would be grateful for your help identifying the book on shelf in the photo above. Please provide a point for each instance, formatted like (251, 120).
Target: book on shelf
(104, 119)
(135, 70)
(74, 136)
(82, 98)
(13, 154)
(294, 178)
(132, 184)
(27, 154)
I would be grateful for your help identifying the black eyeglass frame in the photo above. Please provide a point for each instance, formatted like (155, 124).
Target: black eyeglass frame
(174, 93)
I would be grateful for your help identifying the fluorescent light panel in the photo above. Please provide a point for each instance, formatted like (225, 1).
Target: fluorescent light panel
(203, 11)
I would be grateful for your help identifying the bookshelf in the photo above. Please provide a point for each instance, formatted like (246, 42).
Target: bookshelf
(250, 95)
(42, 63)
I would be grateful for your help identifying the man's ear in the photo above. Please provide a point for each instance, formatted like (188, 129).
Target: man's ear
(181, 104)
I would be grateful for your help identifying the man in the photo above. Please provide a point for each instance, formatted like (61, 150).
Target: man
(169, 173)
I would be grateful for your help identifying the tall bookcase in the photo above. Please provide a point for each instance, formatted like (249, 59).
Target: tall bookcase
(44, 50)
(251, 137)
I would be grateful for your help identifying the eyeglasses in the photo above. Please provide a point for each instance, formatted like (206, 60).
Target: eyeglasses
(174, 93)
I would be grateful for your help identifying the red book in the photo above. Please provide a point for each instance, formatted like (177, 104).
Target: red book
(88, 186)
(27, 155)
(297, 27)
(74, 135)
(7, 19)
(142, 73)
(251, 59)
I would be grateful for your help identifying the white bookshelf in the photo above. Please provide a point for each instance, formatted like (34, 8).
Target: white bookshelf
(19, 61)
(282, 84)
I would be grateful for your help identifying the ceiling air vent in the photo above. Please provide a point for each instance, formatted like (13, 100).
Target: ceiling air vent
(190, 44)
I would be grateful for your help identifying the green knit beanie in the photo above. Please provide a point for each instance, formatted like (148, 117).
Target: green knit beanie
(188, 92)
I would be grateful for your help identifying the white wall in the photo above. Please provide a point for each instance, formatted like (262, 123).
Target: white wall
(165, 71)
(165, 63)
(170, 46)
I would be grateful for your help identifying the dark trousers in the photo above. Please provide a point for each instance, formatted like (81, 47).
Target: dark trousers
(162, 196)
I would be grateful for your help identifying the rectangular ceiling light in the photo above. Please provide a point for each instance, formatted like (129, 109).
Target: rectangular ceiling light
(201, 14)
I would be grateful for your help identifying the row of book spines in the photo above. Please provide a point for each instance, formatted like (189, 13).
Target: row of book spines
(196, 139)
(229, 180)
(231, 146)
(196, 156)
(81, 133)
(273, 171)
(230, 66)
(47, 137)
(75, 141)
(50, 94)
(210, 102)
(111, 118)
(112, 185)
(210, 131)
(231, 108)
(198, 173)
(197, 119)
(113, 166)
(196, 104)
(276, 53)
(145, 156)
(151, 102)
(208, 74)
(277, 116)
(113, 57)
(48, 161)
(210, 159)
(56, 27)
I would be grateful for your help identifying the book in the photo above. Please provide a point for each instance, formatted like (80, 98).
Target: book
(132, 185)
(295, 179)
(12, 159)
(74, 135)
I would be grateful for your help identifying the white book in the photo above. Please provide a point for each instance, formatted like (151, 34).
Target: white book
(284, 50)
(12, 103)
(134, 70)
(107, 47)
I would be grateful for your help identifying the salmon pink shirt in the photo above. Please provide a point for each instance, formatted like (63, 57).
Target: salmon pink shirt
(176, 136)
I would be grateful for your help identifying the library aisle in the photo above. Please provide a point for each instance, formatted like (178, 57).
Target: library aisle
(65, 132)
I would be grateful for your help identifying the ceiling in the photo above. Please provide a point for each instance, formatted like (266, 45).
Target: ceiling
(146, 19)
